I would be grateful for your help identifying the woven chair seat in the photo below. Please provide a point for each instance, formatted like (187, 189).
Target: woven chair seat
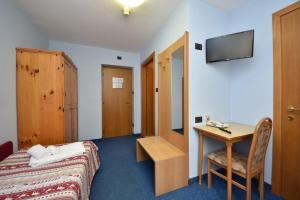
(239, 161)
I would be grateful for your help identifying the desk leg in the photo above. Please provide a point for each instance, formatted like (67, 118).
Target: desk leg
(201, 157)
(229, 170)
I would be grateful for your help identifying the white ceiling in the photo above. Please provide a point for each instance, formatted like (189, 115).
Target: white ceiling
(99, 22)
(227, 4)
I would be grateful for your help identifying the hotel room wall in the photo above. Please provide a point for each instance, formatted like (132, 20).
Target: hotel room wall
(209, 83)
(89, 59)
(17, 30)
(251, 85)
(173, 29)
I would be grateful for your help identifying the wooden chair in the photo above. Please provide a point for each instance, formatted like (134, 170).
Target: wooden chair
(243, 166)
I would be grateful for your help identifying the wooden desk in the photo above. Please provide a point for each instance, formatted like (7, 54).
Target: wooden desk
(239, 132)
(168, 160)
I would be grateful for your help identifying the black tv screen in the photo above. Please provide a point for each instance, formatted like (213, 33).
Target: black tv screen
(230, 47)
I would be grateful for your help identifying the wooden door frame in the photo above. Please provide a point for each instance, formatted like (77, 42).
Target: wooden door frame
(277, 133)
(176, 139)
(101, 88)
(149, 59)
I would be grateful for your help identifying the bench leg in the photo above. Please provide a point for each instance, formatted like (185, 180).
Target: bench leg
(170, 175)
(141, 155)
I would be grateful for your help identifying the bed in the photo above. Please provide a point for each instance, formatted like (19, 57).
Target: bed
(67, 179)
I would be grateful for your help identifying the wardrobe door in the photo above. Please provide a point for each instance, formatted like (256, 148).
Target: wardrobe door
(68, 102)
(74, 104)
(50, 92)
(27, 97)
(39, 99)
(75, 124)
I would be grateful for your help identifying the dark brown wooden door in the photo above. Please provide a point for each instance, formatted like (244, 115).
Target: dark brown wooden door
(117, 101)
(148, 100)
(291, 104)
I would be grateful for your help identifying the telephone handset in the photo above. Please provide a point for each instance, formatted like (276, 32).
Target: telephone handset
(217, 124)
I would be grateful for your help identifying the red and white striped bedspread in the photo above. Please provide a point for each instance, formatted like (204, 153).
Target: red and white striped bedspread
(67, 179)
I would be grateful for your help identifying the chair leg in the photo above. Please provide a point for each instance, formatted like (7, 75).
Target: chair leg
(209, 178)
(248, 188)
(261, 185)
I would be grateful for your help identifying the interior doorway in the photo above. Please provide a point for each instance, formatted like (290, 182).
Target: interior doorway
(286, 162)
(117, 101)
(148, 96)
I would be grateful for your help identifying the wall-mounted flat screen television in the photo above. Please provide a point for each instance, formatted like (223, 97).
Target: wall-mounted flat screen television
(230, 47)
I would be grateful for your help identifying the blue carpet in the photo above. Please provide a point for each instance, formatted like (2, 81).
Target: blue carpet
(120, 177)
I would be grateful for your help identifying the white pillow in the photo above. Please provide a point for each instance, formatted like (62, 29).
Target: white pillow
(37, 151)
(51, 149)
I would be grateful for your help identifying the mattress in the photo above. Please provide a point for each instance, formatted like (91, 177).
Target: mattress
(67, 179)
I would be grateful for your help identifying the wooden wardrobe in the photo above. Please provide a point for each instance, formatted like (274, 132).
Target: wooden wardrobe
(47, 98)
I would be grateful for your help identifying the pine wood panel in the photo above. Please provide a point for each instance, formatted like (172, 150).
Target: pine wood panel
(164, 95)
(74, 105)
(68, 102)
(28, 123)
(51, 128)
(286, 30)
(117, 109)
(41, 92)
(75, 124)
(68, 84)
(68, 124)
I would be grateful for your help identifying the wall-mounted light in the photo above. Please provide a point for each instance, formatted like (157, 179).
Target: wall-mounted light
(129, 4)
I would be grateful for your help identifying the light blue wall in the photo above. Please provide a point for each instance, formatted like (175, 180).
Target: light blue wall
(251, 80)
(208, 83)
(16, 31)
(240, 90)
(173, 29)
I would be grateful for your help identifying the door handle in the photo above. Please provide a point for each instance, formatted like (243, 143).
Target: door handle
(291, 117)
(292, 109)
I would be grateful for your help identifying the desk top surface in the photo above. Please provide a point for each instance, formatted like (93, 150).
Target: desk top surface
(159, 149)
(238, 131)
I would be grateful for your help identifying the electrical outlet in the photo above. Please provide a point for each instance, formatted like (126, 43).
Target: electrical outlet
(198, 46)
(198, 120)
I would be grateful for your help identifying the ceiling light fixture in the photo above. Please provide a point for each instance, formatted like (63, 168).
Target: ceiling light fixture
(128, 4)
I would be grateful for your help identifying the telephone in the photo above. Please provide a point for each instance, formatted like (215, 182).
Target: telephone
(217, 124)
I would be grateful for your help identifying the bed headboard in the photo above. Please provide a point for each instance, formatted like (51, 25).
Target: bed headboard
(6, 149)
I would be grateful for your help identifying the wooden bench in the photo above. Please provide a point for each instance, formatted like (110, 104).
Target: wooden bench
(169, 163)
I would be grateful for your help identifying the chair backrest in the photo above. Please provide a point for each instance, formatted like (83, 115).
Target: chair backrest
(260, 141)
